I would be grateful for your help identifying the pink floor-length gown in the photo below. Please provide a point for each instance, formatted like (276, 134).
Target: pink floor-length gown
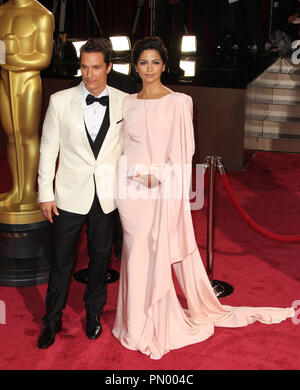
(159, 236)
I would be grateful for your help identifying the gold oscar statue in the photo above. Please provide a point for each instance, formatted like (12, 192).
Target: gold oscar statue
(26, 28)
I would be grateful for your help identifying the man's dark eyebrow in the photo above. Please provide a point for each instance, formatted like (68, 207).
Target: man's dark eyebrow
(91, 65)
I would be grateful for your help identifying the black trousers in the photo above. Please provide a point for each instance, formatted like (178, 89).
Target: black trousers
(118, 233)
(67, 229)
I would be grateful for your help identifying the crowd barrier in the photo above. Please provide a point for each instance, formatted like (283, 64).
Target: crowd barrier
(212, 165)
(249, 220)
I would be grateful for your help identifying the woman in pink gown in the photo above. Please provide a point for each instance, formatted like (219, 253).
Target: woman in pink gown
(158, 145)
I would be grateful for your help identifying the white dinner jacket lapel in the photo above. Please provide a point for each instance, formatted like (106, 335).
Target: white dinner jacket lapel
(114, 110)
(76, 118)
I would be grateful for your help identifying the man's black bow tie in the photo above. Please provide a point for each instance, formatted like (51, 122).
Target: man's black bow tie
(90, 99)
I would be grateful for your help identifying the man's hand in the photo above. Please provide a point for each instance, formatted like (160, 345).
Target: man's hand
(48, 209)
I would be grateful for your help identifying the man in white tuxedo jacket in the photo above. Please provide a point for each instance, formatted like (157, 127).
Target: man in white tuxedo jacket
(82, 130)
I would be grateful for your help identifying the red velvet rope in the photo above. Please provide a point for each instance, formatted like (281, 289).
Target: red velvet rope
(252, 223)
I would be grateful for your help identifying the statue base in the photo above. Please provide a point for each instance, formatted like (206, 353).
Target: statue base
(24, 249)
(16, 214)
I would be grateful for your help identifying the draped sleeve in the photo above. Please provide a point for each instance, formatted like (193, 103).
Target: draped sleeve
(181, 149)
(173, 230)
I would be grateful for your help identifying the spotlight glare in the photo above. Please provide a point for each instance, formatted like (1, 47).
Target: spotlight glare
(188, 44)
(77, 45)
(189, 68)
(120, 43)
(78, 74)
(122, 68)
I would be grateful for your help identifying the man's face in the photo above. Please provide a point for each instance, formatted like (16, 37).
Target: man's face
(94, 72)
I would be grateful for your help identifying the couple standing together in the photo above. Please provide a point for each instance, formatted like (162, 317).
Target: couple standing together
(92, 127)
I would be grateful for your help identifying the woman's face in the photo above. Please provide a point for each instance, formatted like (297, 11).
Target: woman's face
(150, 66)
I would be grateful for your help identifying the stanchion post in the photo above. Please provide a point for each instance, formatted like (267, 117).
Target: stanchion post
(211, 169)
(221, 289)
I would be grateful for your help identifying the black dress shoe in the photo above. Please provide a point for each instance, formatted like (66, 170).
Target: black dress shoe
(111, 276)
(47, 337)
(93, 327)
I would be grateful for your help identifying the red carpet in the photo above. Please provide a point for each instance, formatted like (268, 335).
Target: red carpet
(262, 272)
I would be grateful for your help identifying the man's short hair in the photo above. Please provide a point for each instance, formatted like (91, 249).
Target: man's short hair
(98, 45)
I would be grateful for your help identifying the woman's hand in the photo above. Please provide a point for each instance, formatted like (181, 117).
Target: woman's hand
(148, 180)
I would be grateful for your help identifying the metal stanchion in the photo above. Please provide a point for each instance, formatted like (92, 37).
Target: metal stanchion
(221, 289)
